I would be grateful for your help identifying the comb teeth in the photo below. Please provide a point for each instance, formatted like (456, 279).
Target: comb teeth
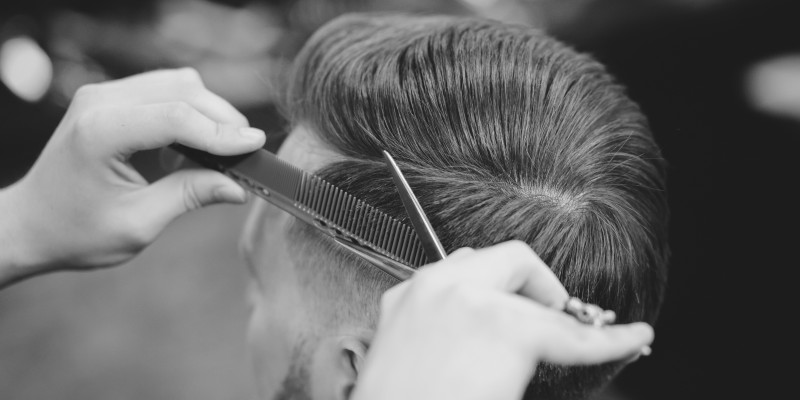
(355, 219)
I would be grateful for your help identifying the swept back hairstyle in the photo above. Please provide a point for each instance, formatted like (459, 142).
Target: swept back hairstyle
(503, 133)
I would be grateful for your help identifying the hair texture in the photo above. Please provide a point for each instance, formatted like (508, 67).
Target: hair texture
(503, 133)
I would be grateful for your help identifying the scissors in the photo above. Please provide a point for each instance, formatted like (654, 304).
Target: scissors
(584, 312)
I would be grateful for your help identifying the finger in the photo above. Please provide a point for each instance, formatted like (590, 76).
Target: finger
(591, 345)
(462, 252)
(218, 109)
(512, 267)
(155, 76)
(125, 130)
(560, 339)
(392, 297)
(162, 86)
(193, 92)
(185, 190)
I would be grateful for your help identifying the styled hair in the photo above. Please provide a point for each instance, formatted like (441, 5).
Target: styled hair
(503, 133)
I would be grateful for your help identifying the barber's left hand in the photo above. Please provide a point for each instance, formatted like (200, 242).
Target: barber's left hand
(83, 206)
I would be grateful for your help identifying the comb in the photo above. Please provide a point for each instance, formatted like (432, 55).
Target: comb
(317, 202)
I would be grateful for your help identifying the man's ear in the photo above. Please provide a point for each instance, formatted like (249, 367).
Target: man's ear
(351, 354)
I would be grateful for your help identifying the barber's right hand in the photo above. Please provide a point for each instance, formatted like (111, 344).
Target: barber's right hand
(83, 205)
(475, 325)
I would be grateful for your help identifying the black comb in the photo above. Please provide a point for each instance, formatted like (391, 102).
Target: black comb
(317, 202)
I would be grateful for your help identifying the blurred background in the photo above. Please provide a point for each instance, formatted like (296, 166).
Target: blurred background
(719, 80)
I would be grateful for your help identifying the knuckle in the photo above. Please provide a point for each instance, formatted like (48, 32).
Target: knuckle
(134, 234)
(242, 120)
(472, 303)
(474, 300)
(238, 120)
(430, 280)
(85, 92)
(519, 245)
(460, 252)
(177, 113)
(518, 248)
(190, 77)
(191, 198)
(438, 288)
(86, 122)
(215, 142)
(220, 132)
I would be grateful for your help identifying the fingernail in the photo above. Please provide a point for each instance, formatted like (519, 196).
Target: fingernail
(251, 133)
(231, 194)
(643, 352)
(643, 329)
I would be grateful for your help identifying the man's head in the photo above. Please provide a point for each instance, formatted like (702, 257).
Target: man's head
(503, 133)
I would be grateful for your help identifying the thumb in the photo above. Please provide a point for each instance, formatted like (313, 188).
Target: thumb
(187, 190)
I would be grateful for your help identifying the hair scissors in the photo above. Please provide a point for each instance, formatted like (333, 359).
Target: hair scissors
(583, 312)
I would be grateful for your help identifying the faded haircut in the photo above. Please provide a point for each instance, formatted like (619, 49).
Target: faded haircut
(503, 133)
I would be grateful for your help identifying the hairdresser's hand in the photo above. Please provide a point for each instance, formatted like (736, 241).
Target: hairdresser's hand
(457, 330)
(83, 205)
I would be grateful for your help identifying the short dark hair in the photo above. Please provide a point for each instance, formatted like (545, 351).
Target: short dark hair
(503, 133)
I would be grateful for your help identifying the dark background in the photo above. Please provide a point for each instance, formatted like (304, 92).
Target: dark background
(170, 326)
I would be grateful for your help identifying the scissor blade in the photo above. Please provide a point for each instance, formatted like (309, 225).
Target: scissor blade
(399, 271)
(430, 242)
